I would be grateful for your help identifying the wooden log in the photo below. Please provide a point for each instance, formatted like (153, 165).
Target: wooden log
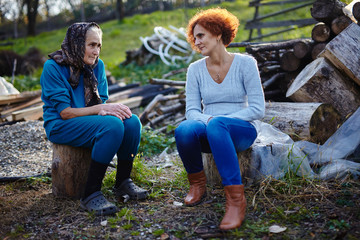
(320, 32)
(317, 49)
(314, 122)
(174, 72)
(289, 62)
(272, 46)
(212, 175)
(356, 11)
(144, 115)
(327, 10)
(272, 80)
(117, 87)
(69, 170)
(303, 49)
(340, 23)
(344, 52)
(319, 81)
(166, 82)
(174, 108)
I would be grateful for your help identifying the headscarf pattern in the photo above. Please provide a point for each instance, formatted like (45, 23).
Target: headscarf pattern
(72, 53)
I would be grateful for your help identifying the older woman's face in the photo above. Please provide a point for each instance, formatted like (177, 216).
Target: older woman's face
(205, 41)
(92, 46)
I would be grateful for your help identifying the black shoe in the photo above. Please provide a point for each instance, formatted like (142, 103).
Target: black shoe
(128, 187)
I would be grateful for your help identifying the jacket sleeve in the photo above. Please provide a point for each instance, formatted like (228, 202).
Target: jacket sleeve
(53, 84)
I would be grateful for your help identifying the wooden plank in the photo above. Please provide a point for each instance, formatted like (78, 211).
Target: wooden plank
(298, 22)
(22, 97)
(343, 52)
(34, 113)
(27, 104)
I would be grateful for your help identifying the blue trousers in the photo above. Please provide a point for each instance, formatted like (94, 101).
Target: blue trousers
(223, 137)
(106, 135)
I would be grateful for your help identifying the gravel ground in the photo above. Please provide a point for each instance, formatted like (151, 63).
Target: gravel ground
(24, 150)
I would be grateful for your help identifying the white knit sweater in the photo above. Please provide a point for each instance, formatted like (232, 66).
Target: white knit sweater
(240, 95)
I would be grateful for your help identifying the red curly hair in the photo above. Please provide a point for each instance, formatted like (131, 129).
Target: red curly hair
(215, 20)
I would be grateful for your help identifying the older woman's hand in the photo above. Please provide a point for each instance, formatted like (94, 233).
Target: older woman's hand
(115, 109)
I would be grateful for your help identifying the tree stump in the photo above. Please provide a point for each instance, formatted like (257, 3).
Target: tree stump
(212, 175)
(319, 81)
(69, 170)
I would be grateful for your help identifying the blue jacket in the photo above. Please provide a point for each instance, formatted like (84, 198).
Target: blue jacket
(57, 94)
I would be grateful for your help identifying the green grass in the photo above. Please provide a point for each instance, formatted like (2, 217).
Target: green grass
(122, 36)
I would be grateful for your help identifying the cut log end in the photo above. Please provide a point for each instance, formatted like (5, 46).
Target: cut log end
(323, 123)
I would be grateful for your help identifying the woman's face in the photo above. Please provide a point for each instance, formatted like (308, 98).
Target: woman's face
(205, 41)
(92, 46)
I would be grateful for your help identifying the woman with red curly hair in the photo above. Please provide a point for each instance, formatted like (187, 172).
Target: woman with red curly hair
(223, 98)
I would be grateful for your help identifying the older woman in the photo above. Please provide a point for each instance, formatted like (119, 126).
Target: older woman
(223, 97)
(74, 92)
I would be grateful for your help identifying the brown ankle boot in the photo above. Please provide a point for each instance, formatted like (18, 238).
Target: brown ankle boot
(235, 207)
(197, 189)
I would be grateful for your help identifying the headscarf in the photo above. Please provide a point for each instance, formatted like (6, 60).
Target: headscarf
(72, 53)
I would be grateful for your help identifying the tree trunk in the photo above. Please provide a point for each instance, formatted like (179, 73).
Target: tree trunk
(320, 32)
(314, 122)
(344, 52)
(32, 8)
(119, 10)
(69, 170)
(319, 81)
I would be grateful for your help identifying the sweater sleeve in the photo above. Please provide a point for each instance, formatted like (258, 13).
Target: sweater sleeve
(53, 86)
(193, 97)
(255, 95)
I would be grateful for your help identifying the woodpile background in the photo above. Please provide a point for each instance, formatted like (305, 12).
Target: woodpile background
(311, 85)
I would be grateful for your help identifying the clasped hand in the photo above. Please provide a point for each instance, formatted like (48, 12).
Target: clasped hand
(115, 109)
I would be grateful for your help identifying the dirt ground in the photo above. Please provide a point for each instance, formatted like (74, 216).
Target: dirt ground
(301, 210)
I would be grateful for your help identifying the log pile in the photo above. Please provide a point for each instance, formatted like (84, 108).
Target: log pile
(280, 62)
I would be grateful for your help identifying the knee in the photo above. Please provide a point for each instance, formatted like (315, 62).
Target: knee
(113, 126)
(215, 125)
(188, 130)
(132, 124)
(183, 130)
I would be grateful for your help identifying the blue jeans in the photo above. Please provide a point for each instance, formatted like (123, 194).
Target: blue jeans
(106, 135)
(223, 137)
